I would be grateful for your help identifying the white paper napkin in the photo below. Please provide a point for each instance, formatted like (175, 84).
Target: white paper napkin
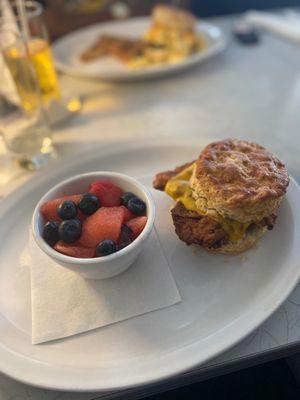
(65, 304)
(286, 25)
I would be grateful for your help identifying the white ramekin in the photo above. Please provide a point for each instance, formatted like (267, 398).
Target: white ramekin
(100, 267)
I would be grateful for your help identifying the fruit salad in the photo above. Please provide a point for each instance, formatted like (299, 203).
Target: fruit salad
(97, 223)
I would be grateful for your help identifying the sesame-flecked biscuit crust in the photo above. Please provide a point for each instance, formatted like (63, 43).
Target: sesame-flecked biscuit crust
(240, 180)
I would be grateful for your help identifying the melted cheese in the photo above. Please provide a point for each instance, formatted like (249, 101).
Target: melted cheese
(179, 189)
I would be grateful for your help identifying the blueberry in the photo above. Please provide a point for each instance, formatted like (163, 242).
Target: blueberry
(89, 203)
(126, 197)
(137, 206)
(125, 237)
(67, 210)
(106, 247)
(125, 230)
(50, 232)
(70, 230)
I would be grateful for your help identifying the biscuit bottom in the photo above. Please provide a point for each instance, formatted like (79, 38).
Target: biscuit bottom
(249, 240)
(192, 228)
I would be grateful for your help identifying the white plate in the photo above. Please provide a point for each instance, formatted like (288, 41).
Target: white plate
(68, 49)
(223, 298)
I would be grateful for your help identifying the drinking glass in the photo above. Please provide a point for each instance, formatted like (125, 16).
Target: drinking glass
(24, 128)
(38, 54)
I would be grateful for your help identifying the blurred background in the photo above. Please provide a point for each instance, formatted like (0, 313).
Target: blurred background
(63, 16)
(223, 7)
(66, 15)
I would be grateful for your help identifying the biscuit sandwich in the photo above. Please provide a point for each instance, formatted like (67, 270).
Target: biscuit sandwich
(228, 198)
(173, 32)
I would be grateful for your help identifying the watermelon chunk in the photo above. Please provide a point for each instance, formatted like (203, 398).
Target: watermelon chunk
(108, 193)
(128, 215)
(73, 250)
(49, 209)
(137, 225)
(105, 223)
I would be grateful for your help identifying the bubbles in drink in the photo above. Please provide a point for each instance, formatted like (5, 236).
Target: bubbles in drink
(27, 72)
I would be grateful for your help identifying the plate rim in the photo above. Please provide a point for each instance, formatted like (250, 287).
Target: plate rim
(73, 384)
(155, 71)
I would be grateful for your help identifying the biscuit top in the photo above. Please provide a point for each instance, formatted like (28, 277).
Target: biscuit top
(239, 179)
(173, 17)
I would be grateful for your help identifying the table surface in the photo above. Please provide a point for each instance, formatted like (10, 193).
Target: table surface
(247, 92)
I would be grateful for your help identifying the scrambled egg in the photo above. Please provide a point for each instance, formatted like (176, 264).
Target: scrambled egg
(168, 46)
(179, 189)
(178, 42)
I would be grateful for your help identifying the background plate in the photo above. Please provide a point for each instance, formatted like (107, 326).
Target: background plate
(68, 48)
(223, 298)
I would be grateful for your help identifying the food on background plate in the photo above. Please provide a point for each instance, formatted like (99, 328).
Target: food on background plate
(171, 37)
(94, 224)
(174, 31)
(123, 49)
(228, 198)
